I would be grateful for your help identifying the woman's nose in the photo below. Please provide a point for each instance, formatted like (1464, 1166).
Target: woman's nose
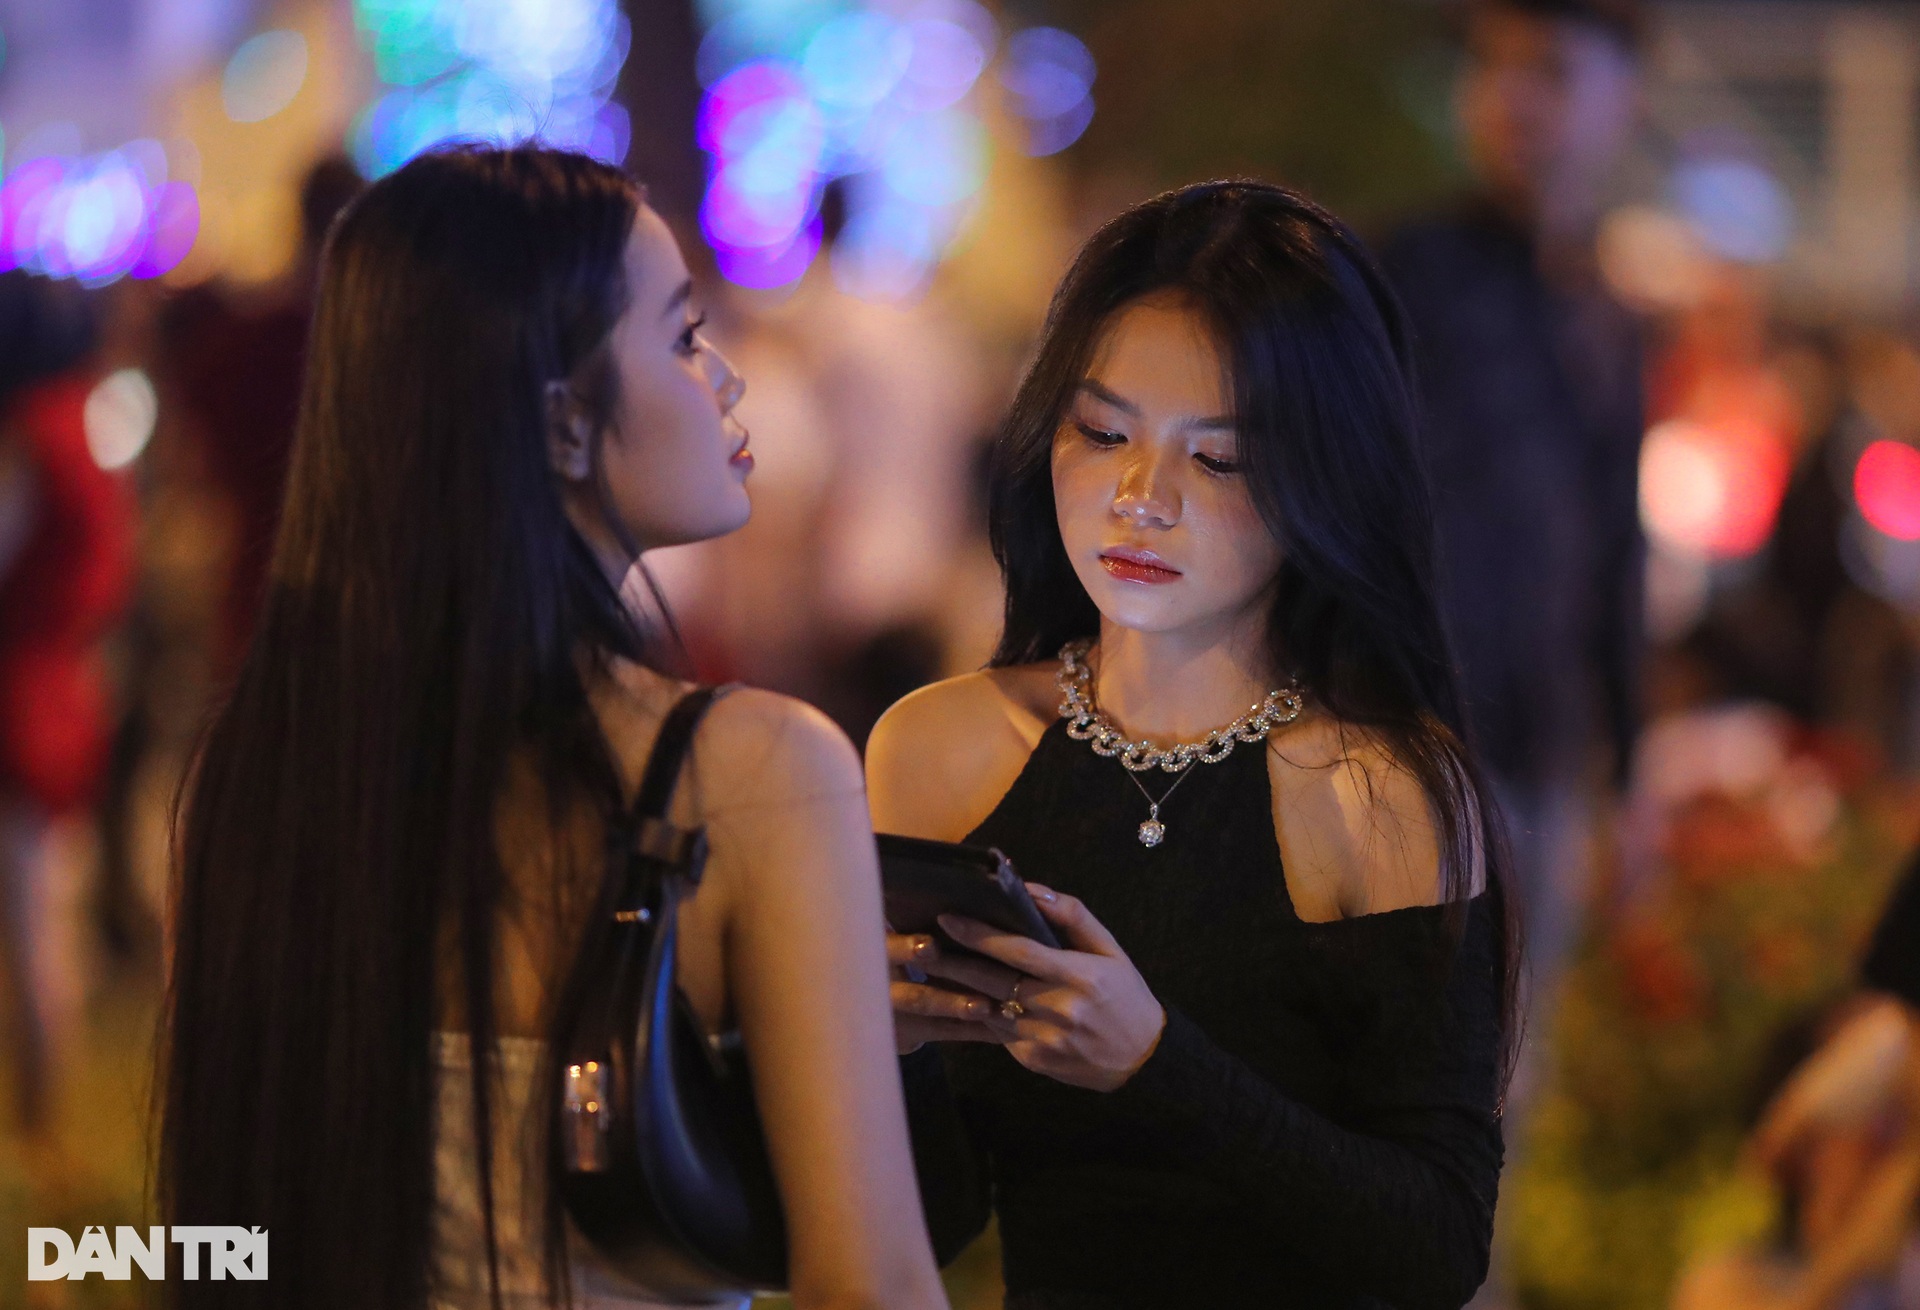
(1143, 498)
(728, 386)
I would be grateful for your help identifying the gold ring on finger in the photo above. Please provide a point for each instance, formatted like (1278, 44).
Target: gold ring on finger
(1011, 1007)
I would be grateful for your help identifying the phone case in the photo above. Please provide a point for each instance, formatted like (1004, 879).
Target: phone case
(923, 879)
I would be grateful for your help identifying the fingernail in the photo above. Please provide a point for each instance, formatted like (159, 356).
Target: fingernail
(955, 926)
(1043, 893)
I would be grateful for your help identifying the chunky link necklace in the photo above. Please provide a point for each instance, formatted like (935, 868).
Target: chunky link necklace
(1088, 723)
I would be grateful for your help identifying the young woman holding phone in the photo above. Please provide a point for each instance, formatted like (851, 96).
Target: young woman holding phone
(1221, 738)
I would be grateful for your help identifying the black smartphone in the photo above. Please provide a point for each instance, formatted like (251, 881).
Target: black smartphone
(921, 880)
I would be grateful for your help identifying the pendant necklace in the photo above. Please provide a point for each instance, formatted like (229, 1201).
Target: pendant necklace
(1153, 832)
(1088, 723)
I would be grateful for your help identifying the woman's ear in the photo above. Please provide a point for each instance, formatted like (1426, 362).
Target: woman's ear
(569, 433)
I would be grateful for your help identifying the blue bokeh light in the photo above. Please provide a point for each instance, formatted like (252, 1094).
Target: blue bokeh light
(801, 93)
(1738, 208)
(1049, 75)
(501, 71)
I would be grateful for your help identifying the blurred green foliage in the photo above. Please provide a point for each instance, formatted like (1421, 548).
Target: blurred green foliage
(1665, 1038)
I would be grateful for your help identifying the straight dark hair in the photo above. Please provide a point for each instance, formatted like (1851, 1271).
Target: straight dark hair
(1317, 349)
(431, 617)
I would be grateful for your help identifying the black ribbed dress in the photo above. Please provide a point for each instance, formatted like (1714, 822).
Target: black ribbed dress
(1317, 1126)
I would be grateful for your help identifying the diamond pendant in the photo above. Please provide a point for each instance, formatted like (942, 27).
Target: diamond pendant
(1152, 832)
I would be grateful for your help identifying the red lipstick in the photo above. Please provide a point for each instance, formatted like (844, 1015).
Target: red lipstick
(1132, 565)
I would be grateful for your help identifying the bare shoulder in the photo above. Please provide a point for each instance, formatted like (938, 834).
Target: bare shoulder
(753, 747)
(941, 758)
(758, 747)
(1358, 832)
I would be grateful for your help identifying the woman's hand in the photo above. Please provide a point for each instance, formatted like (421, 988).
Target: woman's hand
(964, 1006)
(1086, 1016)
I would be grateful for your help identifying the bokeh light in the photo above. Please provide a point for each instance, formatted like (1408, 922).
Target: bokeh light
(1886, 486)
(264, 76)
(501, 71)
(1050, 75)
(96, 218)
(1711, 491)
(1737, 207)
(119, 417)
(878, 100)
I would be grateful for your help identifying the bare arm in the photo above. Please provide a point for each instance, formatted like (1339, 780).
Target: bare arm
(1869, 1240)
(795, 868)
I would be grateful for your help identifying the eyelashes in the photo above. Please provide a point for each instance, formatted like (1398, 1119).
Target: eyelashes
(1102, 439)
(687, 343)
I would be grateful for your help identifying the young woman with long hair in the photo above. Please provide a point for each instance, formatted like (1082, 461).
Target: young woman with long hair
(397, 822)
(1223, 739)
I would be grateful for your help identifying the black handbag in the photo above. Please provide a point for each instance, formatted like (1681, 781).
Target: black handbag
(660, 1161)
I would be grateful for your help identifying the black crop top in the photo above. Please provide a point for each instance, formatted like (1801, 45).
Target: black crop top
(1318, 1124)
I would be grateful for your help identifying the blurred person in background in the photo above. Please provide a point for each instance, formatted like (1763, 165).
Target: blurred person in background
(842, 588)
(398, 823)
(1839, 1140)
(1532, 419)
(906, 396)
(1265, 1067)
(66, 559)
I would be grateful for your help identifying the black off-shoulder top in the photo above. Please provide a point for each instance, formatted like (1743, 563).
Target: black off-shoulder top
(1318, 1125)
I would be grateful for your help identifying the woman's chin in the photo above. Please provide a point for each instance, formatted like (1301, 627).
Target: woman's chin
(1143, 613)
(728, 515)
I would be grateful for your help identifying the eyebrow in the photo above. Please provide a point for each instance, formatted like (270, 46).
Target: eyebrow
(1106, 395)
(678, 298)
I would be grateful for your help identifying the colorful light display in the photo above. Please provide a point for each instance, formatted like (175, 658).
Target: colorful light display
(1886, 486)
(96, 218)
(878, 100)
(1712, 491)
(491, 70)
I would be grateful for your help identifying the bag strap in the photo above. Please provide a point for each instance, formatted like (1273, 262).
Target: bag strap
(649, 833)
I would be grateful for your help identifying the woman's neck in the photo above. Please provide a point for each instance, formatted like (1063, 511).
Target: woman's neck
(1178, 686)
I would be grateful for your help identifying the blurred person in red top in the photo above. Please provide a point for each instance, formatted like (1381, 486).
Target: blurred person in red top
(65, 574)
(235, 370)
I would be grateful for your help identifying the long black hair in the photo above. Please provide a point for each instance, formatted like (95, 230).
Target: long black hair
(428, 608)
(1317, 348)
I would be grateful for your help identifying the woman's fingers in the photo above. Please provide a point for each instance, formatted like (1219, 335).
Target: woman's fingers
(1016, 952)
(976, 973)
(1078, 928)
(940, 1014)
(929, 1002)
(952, 1030)
(919, 956)
(911, 949)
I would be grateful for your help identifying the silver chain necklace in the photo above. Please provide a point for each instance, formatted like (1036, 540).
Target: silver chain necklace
(1088, 723)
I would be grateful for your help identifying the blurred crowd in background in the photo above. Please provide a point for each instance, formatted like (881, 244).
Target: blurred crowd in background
(1661, 261)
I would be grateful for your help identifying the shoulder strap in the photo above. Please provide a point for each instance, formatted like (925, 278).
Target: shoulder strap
(652, 835)
(670, 749)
